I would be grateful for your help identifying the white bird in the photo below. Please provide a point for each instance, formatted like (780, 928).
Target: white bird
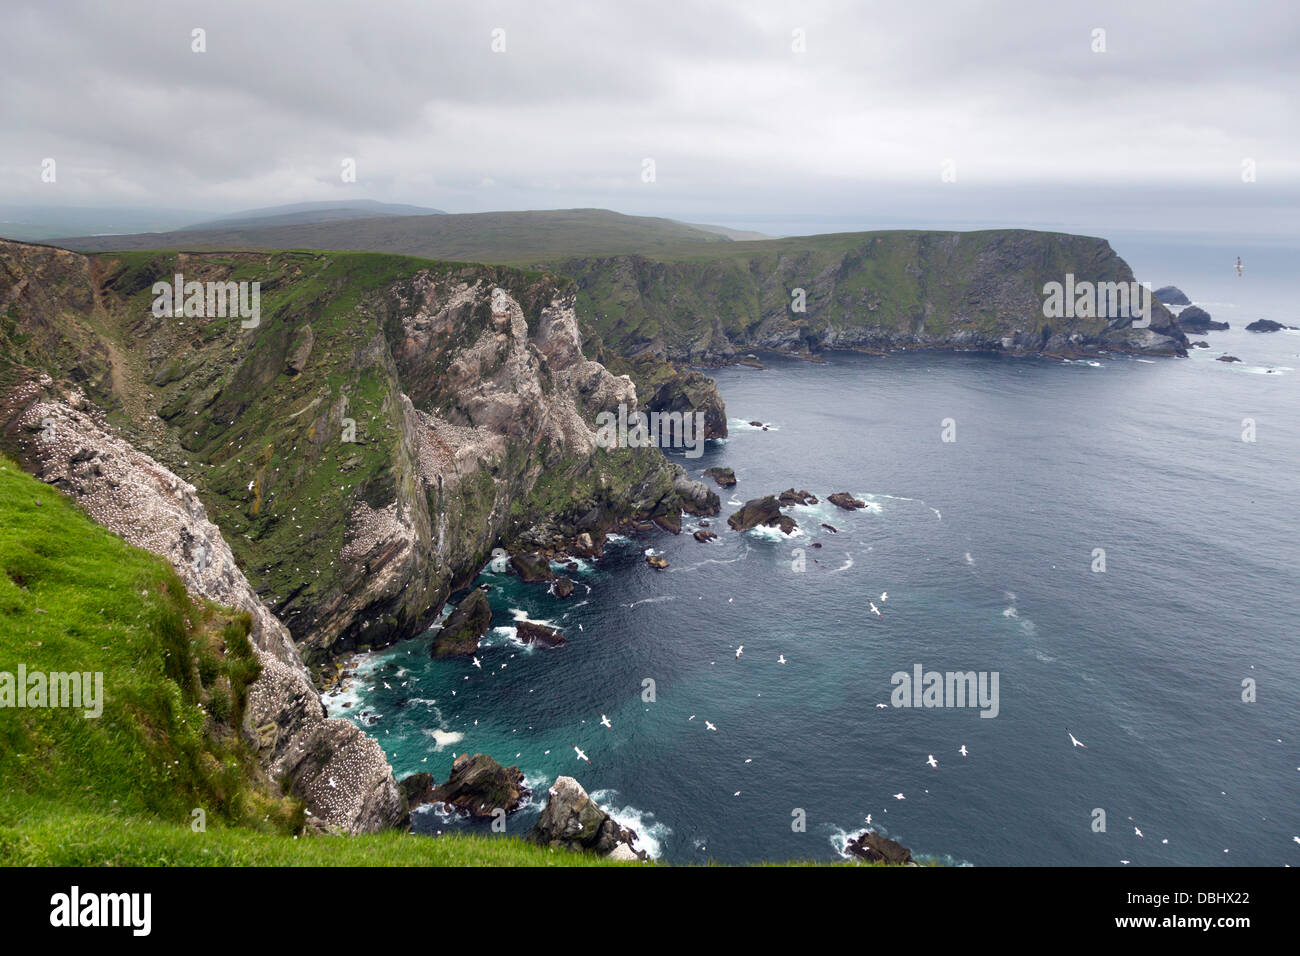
(884, 596)
(333, 783)
(1297, 839)
(740, 650)
(749, 760)
(604, 721)
(477, 663)
(1074, 740)
(881, 706)
(874, 610)
(692, 717)
(932, 762)
(962, 751)
(709, 725)
(780, 659)
(387, 686)
(1137, 831)
(736, 794)
(868, 819)
(581, 755)
(899, 796)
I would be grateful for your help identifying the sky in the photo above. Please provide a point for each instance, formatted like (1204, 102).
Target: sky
(780, 116)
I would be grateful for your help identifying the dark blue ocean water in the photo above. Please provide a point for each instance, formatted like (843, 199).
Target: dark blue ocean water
(985, 546)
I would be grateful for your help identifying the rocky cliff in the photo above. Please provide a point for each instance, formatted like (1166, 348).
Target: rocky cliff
(340, 463)
(895, 289)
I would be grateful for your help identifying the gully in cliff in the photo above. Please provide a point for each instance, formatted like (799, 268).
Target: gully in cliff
(216, 300)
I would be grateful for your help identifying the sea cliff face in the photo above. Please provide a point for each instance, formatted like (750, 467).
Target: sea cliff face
(336, 467)
(871, 291)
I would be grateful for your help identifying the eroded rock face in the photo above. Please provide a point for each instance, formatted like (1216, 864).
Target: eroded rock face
(571, 820)
(341, 774)
(725, 477)
(532, 633)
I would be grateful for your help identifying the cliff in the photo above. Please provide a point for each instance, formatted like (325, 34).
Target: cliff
(875, 290)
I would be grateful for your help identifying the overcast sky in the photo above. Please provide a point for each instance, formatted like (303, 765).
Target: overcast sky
(742, 128)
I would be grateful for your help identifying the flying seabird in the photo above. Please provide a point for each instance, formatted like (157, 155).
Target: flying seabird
(709, 725)
(740, 650)
(780, 659)
(1074, 740)
(874, 610)
(604, 721)
(581, 755)
(962, 751)
(932, 762)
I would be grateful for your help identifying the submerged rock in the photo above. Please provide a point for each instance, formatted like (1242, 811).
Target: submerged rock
(464, 627)
(1227, 358)
(878, 849)
(571, 820)
(704, 536)
(531, 633)
(479, 785)
(842, 499)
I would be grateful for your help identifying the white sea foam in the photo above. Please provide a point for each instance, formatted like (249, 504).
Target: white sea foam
(653, 600)
(743, 425)
(444, 738)
(848, 563)
(1010, 612)
(969, 559)
(772, 533)
(650, 833)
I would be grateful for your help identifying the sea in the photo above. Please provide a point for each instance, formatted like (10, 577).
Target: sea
(1113, 540)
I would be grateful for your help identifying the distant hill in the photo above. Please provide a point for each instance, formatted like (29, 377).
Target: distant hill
(306, 213)
(498, 237)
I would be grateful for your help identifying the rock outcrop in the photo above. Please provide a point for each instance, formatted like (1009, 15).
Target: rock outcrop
(844, 500)
(1195, 319)
(465, 626)
(879, 849)
(1171, 295)
(725, 477)
(531, 632)
(571, 820)
(1267, 325)
(478, 786)
(761, 511)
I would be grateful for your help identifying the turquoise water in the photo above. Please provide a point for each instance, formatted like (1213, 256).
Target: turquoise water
(985, 546)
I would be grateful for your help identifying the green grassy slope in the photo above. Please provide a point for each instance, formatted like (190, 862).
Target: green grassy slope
(120, 789)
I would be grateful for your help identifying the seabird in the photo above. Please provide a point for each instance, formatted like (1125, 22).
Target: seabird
(1137, 831)
(874, 610)
(740, 650)
(581, 755)
(604, 721)
(709, 725)
(962, 751)
(884, 596)
(1074, 740)
(932, 762)
(899, 796)
(477, 663)
(780, 659)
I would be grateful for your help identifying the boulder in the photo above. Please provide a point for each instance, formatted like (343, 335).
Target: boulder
(1200, 345)
(1227, 358)
(878, 849)
(563, 587)
(831, 528)
(704, 536)
(571, 820)
(478, 785)
(656, 562)
(842, 499)
(464, 627)
(1171, 295)
(725, 477)
(532, 633)
(1267, 325)
(532, 566)
(583, 545)
(672, 523)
